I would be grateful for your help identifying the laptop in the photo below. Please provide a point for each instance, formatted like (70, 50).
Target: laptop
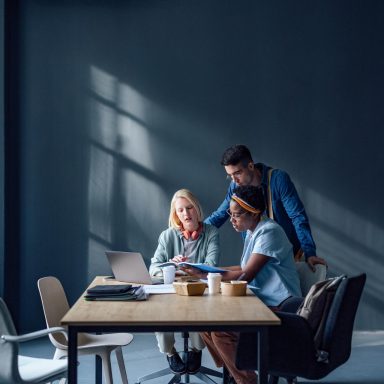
(129, 267)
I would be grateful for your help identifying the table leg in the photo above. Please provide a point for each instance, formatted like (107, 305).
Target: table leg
(98, 369)
(225, 375)
(72, 355)
(262, 346)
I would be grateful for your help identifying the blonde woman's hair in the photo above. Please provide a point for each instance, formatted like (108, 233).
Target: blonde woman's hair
(174, 221)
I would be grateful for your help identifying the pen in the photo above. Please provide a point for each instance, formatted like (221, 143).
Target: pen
(240, 277)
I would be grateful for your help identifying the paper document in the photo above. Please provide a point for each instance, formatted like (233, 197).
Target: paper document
(159, 289)
(202, 267)
(167, 264)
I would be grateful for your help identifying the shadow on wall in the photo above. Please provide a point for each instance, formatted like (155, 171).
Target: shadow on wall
(351, 245)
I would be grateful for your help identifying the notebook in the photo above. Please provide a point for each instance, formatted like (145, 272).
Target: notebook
(129, 267)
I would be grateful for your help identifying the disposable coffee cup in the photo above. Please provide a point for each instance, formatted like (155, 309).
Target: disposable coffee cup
(214, 280)
(169, 274)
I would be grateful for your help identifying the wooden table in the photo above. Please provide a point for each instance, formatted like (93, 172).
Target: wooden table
(170, 312)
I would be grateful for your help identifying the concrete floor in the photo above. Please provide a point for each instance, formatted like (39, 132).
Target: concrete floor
(365, 366)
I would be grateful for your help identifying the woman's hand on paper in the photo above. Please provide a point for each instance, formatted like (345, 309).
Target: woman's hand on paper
(178, 259)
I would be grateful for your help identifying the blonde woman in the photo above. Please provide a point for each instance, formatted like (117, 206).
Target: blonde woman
(186, 239)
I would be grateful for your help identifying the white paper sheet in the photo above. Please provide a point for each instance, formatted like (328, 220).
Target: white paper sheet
(158, 289)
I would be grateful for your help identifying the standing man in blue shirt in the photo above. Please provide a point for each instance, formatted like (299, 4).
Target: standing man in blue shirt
(282, 200)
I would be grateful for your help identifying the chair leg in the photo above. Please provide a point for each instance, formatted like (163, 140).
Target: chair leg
(120, 362)
(153, 375)
(211, 372)
(175, 379)
(204, 378)
(106, 361)
(59, 354)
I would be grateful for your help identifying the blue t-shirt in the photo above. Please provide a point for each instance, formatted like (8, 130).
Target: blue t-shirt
(278, 279)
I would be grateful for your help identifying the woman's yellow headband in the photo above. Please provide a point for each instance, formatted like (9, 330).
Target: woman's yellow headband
(244, 204)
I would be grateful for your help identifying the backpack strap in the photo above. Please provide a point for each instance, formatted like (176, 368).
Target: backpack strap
(270, 210)
(323, 351)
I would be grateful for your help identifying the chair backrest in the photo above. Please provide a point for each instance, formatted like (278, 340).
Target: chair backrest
(308, 277)
(339, 328)
(55, 306)
(9, 371)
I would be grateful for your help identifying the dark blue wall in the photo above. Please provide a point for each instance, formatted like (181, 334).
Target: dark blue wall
(123, 102)
(1, 149)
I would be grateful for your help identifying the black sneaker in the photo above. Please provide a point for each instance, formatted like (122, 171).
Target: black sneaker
(193, 361)
(176, 364)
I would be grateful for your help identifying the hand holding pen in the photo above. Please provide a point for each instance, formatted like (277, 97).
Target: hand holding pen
(241, 277)
(179, 259)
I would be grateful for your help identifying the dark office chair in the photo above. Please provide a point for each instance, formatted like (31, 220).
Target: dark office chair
(201, 374)
(292, 351)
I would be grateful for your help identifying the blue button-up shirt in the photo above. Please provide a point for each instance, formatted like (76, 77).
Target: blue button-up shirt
(288, 210)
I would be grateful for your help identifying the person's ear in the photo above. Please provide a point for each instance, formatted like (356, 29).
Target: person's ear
(251, 166)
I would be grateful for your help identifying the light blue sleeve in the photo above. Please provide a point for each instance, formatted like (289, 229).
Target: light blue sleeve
(270, 241)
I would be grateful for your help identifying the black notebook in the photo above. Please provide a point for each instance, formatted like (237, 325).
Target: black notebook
(124, 293)
(108, 289)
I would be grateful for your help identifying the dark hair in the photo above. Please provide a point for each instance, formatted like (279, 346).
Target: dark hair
(236, 154)
(252, 195)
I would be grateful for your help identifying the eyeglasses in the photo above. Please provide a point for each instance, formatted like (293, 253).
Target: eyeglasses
(235, 174)
(235, 215)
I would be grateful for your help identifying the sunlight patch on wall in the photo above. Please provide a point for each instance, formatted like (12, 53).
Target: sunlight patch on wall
(103, 125)
(134, 142)
(133, 102)
(100, 190)
(148, 209)
(344, 221)
(122, 186)
(103, 85)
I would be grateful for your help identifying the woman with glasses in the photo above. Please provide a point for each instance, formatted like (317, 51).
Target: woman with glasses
(266, 263)
(186, 239)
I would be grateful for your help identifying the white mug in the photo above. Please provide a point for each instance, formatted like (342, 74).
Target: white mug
(169, 274)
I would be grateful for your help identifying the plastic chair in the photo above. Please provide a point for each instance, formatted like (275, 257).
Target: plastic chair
(55, 306)
(201, 374)
(292, 350)
(18, 369)
(308, 277)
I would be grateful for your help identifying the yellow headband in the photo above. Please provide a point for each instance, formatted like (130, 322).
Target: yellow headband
(244, 204)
